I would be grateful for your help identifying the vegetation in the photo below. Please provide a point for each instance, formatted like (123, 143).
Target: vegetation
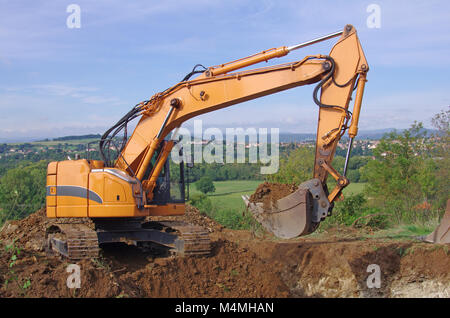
(295, 167)
(23, 284)
(354, 211)
(22, 190)
(202, 202)
(403, 180)
(226, 205)
(400, 180)
(205, 185)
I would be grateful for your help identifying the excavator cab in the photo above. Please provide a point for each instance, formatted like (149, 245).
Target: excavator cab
(169, 188)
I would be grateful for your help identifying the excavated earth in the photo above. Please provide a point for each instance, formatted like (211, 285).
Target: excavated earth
(333, 264)
(268, 193)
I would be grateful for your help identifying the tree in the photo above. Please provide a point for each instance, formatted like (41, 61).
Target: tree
(297, 167)
(441, 121)
(205, 185)
(22, 191)
(402, 174)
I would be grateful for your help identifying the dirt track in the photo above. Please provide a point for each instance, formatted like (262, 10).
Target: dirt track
(241, 265)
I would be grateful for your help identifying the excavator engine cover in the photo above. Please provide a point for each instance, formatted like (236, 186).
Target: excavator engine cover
(297, 214)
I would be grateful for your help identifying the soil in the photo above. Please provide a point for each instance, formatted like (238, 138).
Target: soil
(332, 264)
(268, 193)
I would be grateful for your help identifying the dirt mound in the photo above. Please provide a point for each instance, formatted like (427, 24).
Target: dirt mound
(268, 193)
(230, 271)
(29, 233)
(240, 266)
(192, 216)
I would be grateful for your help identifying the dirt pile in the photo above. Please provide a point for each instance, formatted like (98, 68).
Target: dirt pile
(192, 216)
(129, 271)
(29, 233)
(326, 265)
(268, 193)
(230, 271)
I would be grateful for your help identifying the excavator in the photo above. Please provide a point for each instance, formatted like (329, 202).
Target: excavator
(132, 183)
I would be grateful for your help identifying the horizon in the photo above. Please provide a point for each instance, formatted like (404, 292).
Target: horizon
(369, 134)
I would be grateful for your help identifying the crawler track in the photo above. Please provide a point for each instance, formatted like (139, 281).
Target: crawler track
(72, 240)
(192, 239)
(77, 241)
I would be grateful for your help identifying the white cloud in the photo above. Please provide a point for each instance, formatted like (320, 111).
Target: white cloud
(64, 90)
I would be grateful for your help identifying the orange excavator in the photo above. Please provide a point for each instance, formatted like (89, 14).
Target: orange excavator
(128, 185)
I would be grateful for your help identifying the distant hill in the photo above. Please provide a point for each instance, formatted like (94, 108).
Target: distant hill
(379, 133)
(375, 134)
(66, 138)
(294, 137)
(284, 137)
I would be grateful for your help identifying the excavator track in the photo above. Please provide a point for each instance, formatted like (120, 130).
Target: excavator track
(192, 239)
(72, 240)
(78, 241)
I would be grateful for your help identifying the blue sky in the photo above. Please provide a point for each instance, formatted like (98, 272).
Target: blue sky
(58, 81)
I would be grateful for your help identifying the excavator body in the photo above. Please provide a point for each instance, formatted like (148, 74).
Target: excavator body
(118, 193)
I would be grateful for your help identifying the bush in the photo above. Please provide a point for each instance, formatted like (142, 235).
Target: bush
(205, 185)
(202, 203)
(347, 211)
(354, 211)
(233, 219)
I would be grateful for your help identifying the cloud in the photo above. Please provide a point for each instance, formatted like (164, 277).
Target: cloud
(64, 90)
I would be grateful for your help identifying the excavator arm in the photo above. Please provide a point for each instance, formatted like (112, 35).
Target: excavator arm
(219, 87)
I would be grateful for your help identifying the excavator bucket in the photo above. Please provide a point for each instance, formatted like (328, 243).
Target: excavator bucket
(297, 214)
(442, 233)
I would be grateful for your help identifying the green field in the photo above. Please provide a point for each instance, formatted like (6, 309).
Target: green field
(354, 188)
(228, 193)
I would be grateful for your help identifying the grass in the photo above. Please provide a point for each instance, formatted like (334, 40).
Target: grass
(354, 188)
(228, 193)
(407, 231)
(228, 206)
